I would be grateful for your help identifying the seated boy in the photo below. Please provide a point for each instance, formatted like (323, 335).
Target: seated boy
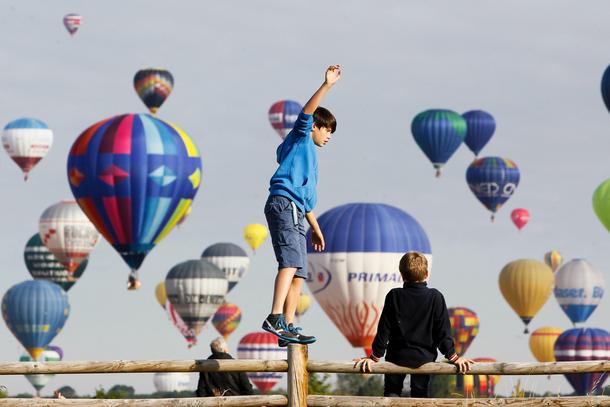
(414, 323)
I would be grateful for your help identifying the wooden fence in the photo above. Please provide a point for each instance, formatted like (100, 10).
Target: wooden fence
(298, 368)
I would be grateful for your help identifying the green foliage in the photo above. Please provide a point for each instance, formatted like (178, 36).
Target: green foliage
(68, 392)
(120, 391)
(100, 393)
(24, 396)
(359, 385)
(318, 384)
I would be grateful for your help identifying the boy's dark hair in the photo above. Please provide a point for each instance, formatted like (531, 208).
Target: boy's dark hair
(324, 118)
(413, 267)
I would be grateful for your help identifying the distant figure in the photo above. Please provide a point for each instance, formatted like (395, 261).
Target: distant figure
(222, 383)
(414, 323)
(57, 394)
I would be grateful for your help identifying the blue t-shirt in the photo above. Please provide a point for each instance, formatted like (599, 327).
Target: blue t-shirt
(297, 176)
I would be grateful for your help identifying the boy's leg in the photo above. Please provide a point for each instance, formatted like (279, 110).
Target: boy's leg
(284, 282)
(420, 384)
(292, 300)
(392, 384)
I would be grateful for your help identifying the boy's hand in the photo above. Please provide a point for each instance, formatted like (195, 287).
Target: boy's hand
(463, 365)
(317, 240)
(333, 74)
(364, 364)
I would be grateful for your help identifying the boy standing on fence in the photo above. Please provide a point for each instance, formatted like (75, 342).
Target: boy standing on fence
(292, 197)
(414, 323)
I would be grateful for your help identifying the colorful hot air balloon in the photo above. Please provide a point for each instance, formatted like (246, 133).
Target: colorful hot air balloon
(579, 287)
(351, 277)
(173, 316)
(464, 328)
(43, 265)
(601, 203)
(302, 305)
(581, 344)
(480, 126)
(134, 176)
(35, 311)
(196, 288)
(542, 343)
(520, 217)
(255, 234)
(262, 345)
(72, 22)
(153, 86)
(39, 381)
(226, 319)
(439, 133)
(172, 382)
(230, 258)
(553, 259)
(282, 116)
(485, 384)
(493, 180)
(526, 285)
(27, 141)
(68, 234)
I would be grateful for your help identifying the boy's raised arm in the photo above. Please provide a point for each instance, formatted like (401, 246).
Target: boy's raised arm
(333, 74)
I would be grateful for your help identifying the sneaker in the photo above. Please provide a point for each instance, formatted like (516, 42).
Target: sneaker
(302, 339)
(280, 330)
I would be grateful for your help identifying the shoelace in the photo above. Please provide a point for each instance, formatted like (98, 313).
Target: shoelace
(294, 329)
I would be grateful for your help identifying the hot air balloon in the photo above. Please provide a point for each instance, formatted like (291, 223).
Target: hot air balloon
(160, 294)
(579, 287)
(581, 344)
(485, 384)
(186, 215)
(153, 86)
(350, 279)
(553, 259)
(27, 141)
(39, 381)
(135, 176)
(302, 305)
(542, 343)
(43, 265)
(230, 258)
(196, 288)
(35, 311)
(526, 285)
(493, 180)
(262, 345)
(464, 328)
(172, 382)
(173, 316)
(282, 116)
(480, 127)
(67, 233)
(255, 234)
(72, 22)
(601, 203)
(520, 217)
(226, 319)
(439, 133)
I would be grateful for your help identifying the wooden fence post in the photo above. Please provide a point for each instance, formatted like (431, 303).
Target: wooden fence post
(297, 375)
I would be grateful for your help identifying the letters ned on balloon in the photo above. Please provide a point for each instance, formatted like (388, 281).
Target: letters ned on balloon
(492, 189)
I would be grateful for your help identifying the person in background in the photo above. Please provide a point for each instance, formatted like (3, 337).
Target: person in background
(222, 383)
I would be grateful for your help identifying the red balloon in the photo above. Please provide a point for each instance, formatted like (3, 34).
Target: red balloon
(520, 217)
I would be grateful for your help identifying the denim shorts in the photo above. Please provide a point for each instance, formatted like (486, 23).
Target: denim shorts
(287, 231)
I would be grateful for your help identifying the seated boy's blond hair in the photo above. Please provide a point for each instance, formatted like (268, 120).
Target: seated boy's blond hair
(413, 267)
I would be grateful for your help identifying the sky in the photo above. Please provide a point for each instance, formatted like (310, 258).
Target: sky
(536, 66)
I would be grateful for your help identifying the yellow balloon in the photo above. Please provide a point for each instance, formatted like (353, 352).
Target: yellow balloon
(161, 294)
(553, 259)
(255, 234)
(526, 285)
(303, 305)
(542, 343)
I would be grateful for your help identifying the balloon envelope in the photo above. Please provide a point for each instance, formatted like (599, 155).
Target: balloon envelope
(480, 127)
(170, 382)
(606, 87)
(303, 305)
(160, 294)
(39, 381)
(27, 141)
(581, 344)
(72, 22)
(282, 115)
(542, 343)
(226, 319)
(351, 277)
(579, 288)
(255, 234)
(134, 176)
(553, 259)
(153, 86)
(230, 258)
(262, 345)
(35, 311)
(601, 203)
(520, 217)
(464, 328)
(493, 181)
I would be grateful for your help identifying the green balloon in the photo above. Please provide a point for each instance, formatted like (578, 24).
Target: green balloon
(601, 203)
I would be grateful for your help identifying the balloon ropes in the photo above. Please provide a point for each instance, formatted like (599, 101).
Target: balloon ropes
(153, 86)
(262, 345)
(579, 288)
(134, 176)
(282, 115)
(350, 279)
(27, 141)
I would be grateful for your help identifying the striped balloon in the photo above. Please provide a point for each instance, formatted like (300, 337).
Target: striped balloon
(35, 311)
(230, 258)
(153, 86)
(282, 116)
(134, 176)
(580, 344)
(480, 128)
(493, 180)
(39, 381)
(553, 259)
(27, 141)
(579, 288)
(263, 346)
(72, 22)
(464, 328)
(196, 288)
(226, 319)
(542, 343)
(439, 133)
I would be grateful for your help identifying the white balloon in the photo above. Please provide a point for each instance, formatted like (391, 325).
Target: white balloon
(168, 382)
(27, 141)
(579, 288)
